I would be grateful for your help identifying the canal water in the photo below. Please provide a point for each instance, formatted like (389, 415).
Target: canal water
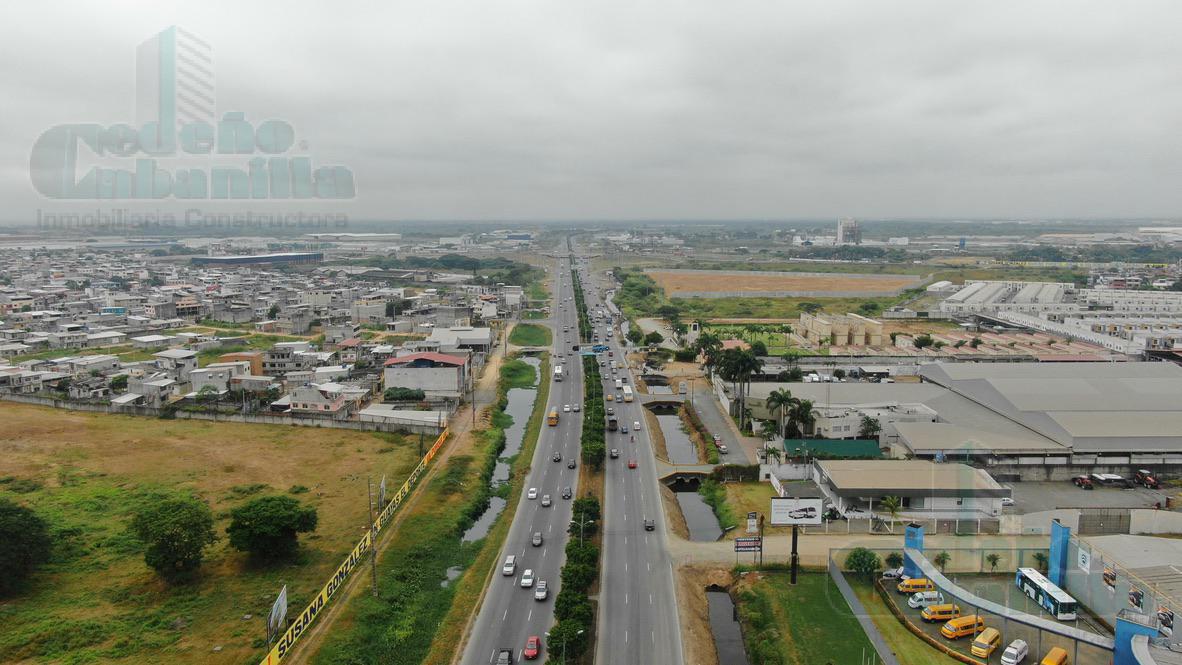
(699, 517)
(724, 623)
(681, 450)
(520, 405)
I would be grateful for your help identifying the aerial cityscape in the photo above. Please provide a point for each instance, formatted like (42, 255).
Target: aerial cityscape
(591, 333)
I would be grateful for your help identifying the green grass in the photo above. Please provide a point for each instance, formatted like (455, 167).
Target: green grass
(530, 334)
(95, 600)
(907, 647)
(804, 624)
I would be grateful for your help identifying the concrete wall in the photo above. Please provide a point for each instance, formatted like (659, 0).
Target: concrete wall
(256, 418)
(1142, 521)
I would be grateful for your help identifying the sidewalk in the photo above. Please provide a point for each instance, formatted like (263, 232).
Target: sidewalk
(814, 548)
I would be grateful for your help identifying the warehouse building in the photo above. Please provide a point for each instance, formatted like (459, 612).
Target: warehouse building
(954, 491)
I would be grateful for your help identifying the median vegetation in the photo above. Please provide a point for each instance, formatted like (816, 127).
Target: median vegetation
(580, 307)
(574, 613)
(594, 447)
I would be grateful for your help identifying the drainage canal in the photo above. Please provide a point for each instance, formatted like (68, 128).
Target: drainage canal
(520, 403)
(699, 517)
(724, 624)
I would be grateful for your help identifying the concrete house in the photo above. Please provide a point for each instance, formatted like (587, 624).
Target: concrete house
(177, 363)
(436, 374)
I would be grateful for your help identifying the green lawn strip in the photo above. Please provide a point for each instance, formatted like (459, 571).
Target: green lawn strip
(803, 624)
(401, 624)
(907, 647)
(530, 334)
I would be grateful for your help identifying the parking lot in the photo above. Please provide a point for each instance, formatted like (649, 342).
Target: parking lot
(1033, 497)
(1001, 589)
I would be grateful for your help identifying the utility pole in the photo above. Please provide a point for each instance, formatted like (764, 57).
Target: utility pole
(373, 538)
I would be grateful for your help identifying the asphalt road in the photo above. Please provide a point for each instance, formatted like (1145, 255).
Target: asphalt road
(509, 614)
(638, 621)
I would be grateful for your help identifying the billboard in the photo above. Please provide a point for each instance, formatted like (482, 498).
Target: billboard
(792, 511)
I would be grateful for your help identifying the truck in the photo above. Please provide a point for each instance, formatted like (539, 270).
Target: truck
(558, 372)
(1146, 479)
(619, 384)
(613, 424)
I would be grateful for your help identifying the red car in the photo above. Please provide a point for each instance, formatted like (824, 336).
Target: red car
(533, 647)
(631, 464)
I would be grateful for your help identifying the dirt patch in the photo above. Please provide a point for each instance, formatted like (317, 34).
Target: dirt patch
(673, 517)
(683, 283)
(656, 436)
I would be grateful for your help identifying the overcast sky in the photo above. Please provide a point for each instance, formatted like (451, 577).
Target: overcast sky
(651, 109)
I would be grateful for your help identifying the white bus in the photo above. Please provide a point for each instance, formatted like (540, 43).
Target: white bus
(1044, 592)
(627, 393)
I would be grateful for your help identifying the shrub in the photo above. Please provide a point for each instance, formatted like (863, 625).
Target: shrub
(863, 562)
(176, 531)
(268, 526)
(403, 395)
(24, 543)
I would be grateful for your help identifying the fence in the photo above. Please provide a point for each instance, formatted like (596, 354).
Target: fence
(305, 618)
(253, 418)
(1096, 580)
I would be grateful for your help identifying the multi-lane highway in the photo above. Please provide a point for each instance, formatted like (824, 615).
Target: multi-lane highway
(509, 614)
(638, 619)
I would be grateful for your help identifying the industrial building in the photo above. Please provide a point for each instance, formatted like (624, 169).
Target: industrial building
(938, 490)
(259, 259)
(1023, 421)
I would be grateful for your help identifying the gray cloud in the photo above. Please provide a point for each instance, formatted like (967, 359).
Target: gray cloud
(665, 109)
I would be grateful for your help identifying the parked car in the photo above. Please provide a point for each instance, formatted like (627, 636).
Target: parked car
(1082, 482)
(1007, 501)
(1015, 653)
(893, 574)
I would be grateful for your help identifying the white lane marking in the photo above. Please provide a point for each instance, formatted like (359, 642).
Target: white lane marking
(654, 636)
(494, 655)
(531, 612)
(543, 552)
(625, 637)
(625, 566)
(625, 599)
(650, 599)
(650, 566)
(505, 615)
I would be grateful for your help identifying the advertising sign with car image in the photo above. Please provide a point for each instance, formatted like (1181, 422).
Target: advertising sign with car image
(792, 511)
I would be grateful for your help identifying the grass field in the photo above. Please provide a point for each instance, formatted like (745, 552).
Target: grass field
(806, 624)
(909, 648)
(677, 284)
(97, 602)
(530, 334)
(776, 342)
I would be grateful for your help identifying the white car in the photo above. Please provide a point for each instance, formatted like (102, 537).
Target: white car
(527, 578)
(546, 501)
(576, 408)
(636, 425)
(542, 590)
(532, 493)
(1007, 501)
(566, 408)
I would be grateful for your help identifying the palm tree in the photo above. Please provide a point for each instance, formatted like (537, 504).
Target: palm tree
(801, 418)
(780, 400)
(744, 363)
(768, 430)
(892, 505)
(993, 558)
(772, 452)
(942, 559)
